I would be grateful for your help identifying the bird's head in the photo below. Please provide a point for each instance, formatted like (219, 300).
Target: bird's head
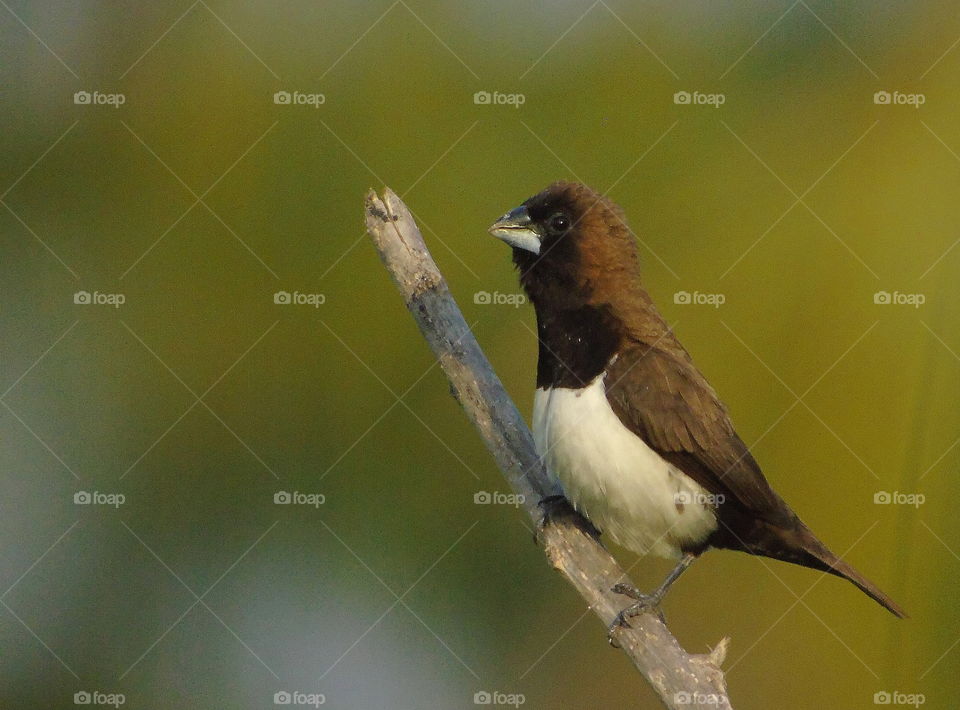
(571, 244)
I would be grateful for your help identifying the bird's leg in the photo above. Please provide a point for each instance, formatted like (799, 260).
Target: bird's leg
(648, 602)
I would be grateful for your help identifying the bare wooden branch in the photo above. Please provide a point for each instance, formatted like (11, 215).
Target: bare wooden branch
(681, 680)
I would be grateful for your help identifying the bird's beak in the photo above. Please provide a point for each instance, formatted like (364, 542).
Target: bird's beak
(515, 228)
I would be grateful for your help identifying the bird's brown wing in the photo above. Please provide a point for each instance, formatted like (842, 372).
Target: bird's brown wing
(661, 397)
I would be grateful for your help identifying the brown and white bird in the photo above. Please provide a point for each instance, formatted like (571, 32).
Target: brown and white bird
(640, 442)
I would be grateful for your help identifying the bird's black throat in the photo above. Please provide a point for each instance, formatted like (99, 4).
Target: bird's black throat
(576, 338)
(575, 345)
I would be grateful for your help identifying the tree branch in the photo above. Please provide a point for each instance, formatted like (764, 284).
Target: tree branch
(680, 679)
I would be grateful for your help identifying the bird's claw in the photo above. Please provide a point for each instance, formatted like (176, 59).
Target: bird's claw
(643, 603)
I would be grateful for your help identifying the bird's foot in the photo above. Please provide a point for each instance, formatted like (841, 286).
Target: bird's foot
(643, 603)
(557, 509)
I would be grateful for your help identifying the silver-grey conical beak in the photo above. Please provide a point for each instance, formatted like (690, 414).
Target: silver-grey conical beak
(515, 229)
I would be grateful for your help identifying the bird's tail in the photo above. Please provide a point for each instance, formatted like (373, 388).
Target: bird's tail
(821, 558)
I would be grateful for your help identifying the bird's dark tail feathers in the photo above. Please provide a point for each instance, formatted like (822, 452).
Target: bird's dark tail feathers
(820, 557)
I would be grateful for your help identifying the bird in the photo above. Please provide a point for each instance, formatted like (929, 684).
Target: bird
(639, 441)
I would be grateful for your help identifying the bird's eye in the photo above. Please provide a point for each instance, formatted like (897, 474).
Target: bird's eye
(559, 222)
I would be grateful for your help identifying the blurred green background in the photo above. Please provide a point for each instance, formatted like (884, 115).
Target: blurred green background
(200, 398)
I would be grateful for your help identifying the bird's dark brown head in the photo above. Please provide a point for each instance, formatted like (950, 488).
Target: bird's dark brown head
(578, 264)
(571, 245)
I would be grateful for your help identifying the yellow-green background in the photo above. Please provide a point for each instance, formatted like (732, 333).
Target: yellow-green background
(313, 400)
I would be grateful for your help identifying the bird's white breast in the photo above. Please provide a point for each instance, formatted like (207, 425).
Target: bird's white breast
(610, 475)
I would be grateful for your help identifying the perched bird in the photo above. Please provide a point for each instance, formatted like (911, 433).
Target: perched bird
(640, 442)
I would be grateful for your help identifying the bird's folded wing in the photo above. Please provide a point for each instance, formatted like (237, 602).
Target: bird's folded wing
(661, 397)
